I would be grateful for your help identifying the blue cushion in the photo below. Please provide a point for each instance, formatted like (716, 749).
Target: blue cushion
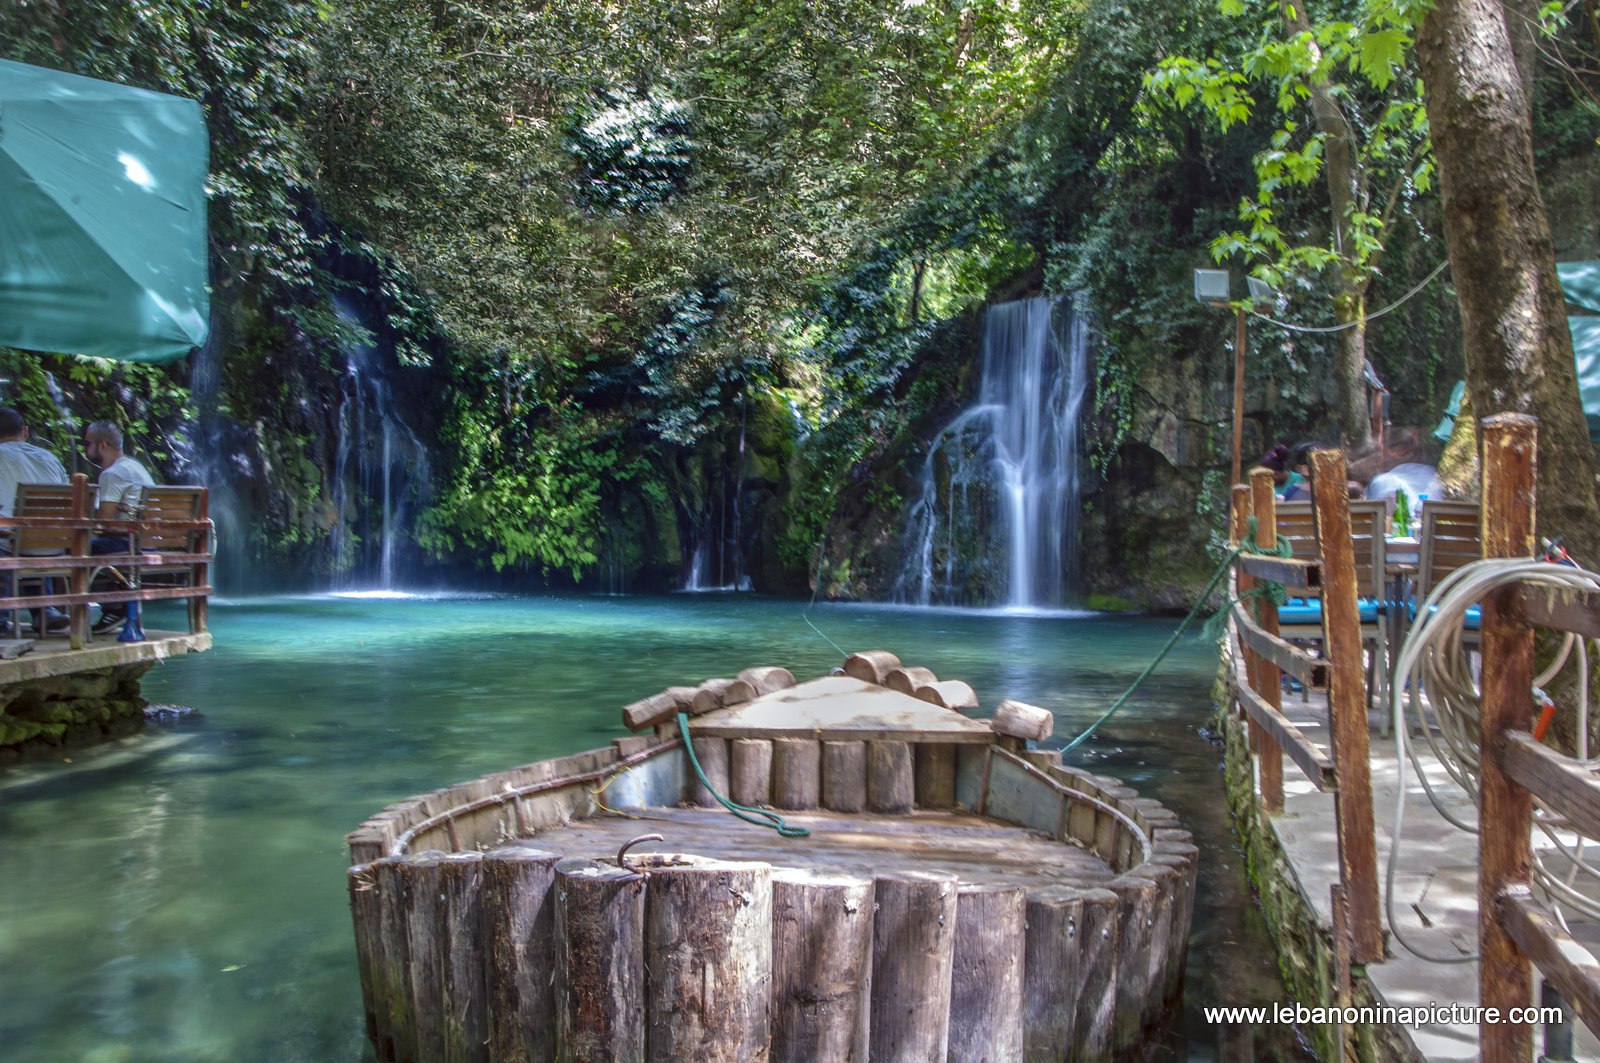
(1309, 611)
(1471, 622)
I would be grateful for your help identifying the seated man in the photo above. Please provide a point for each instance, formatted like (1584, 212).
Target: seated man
(122, 480)
(23, 463)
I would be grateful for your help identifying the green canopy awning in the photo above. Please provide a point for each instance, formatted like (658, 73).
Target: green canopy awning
(102, 217)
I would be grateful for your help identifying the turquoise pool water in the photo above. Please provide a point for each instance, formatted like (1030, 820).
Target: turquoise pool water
(179, 896)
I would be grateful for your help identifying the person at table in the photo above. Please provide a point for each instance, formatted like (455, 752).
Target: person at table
(21, 462)
(1276, 459)
(117, 494)
(1297, 485)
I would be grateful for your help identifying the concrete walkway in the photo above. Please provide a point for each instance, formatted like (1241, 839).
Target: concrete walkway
(1435, 885)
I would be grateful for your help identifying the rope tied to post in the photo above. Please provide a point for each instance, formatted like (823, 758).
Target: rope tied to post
(761, 817)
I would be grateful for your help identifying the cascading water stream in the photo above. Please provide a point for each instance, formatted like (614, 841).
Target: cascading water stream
(380, 470)
(997, 516)
(701, 576)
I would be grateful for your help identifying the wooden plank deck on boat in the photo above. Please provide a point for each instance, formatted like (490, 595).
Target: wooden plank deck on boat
(978, 848)
(838, 709)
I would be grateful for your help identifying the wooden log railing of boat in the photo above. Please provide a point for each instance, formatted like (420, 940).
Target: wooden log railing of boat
(183, 561)
(959, 896)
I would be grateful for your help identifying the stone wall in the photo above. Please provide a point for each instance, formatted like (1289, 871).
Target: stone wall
(41, 715)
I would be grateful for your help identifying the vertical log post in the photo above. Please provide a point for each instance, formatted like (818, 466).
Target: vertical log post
(1136, 904)
(1167, 871)
(426, 945)
(396, 1012)
(750, 771)
(891, 779)
(708, 948)
(796, 773)
(519, 905)
(1268, 680)
(1097, 973)
(1051, 979)
(364, 913)
(986, 973)
(821, 966)
(844, 776)
(712, 753)
(1505, 809)
(913, 941)
(1347, 703)
(600, 972)
(463, 922)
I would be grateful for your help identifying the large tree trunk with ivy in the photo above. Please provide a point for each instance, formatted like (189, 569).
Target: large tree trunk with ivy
(1513, 317)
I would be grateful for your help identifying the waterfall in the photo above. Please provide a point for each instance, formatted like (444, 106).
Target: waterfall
(700, 575)
(380, 470)
(214, 453)
(996, 518)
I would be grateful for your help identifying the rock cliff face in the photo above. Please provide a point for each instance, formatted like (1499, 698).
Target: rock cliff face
(1147, 515)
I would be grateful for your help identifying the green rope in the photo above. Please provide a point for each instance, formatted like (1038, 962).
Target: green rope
(759, 816)
(1265, 589)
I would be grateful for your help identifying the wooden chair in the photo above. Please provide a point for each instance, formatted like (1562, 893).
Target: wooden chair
(1301, 619)
(1452, 536)
(42, 500)
(174, 503)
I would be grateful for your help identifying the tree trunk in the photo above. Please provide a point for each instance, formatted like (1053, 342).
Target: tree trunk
(1513, 316)
(1350, 354)
(1347, 193)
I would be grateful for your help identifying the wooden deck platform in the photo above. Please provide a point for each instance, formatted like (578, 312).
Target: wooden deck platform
(980, 849)
(52, 657)
(1436, 885)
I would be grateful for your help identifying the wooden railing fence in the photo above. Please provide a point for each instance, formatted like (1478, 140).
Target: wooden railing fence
(77, 565)
(1344, 769)
(1516, 930)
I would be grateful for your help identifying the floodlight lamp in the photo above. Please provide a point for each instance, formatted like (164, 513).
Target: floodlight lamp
(1261, 294)
(1212, 285)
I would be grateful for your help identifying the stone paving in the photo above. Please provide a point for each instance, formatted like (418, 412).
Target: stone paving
(1435, 884)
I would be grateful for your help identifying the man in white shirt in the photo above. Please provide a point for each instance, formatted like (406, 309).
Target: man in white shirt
(117, 494)
(23, 463)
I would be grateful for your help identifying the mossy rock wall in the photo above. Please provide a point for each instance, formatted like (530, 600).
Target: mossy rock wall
(38, 715)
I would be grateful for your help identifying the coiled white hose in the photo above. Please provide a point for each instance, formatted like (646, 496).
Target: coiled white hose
(1433, 656)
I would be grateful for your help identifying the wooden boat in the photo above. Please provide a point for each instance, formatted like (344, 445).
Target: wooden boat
(958, 896)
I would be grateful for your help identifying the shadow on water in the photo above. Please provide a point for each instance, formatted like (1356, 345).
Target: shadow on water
(179, 895)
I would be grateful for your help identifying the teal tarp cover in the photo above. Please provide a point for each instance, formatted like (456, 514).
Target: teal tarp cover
(102, 217)
(1586, 346)
(1580, 282)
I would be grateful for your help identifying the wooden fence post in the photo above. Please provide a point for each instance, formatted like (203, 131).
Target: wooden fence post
(206, 541)
(1268, 680)
(1505, 809)
(1347, 703)
(1242, 583)
(79, 581)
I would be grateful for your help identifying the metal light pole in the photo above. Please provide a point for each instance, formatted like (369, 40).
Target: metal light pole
(1214, 288)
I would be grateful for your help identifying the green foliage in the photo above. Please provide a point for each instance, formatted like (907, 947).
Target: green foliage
(1306, 78)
